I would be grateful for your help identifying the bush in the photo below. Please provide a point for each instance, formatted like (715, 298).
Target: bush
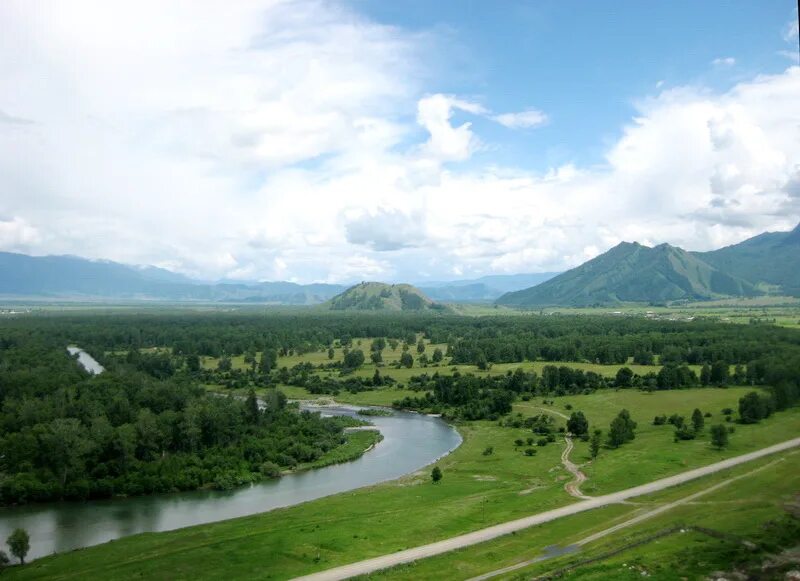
(542, 442)
(488, 451)
(530, 452)
(270, 470)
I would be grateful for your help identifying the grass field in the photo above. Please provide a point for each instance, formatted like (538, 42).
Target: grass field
(402, 375)
(477, 490)
(739, 508)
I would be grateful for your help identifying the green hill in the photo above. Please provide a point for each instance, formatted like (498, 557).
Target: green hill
(630, 272)
(770, 260)
(378, 296)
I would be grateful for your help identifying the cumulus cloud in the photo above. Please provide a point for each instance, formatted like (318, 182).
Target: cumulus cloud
(446, 142)
(523, 119)
(184, 140)
(386, 230)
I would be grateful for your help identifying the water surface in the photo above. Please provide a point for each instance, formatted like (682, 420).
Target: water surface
(86, 361)
(410, 442)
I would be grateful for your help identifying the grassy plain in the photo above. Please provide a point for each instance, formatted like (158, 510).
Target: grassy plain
(739, 508)
(477, 490)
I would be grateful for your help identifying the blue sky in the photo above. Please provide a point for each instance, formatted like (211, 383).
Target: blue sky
(343, 140)
(584, 63)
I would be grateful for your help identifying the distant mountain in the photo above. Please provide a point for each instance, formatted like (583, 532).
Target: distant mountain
(62, 277)
(485, 288)
(770, 260)
(630, 272)
(378, 296)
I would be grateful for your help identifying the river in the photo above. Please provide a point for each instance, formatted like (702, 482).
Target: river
(410, 441)
(88, 362)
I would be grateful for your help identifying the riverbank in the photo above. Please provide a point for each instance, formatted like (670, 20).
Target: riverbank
(478, 489)
(358, 442)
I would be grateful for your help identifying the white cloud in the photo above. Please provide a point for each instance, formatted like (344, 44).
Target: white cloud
(186, 140)
(447, 143)
(724, 61)
(523, 119)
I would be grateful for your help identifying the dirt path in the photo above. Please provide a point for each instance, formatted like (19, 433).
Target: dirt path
(572, 487)
(409, 555)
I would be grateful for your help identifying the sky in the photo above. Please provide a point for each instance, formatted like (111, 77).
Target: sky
(338, 141)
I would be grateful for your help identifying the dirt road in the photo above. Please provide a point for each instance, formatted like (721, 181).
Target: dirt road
(487, 534)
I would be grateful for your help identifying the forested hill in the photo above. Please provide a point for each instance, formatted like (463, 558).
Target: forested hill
(378, 296)
(630, 272)
(771, 259)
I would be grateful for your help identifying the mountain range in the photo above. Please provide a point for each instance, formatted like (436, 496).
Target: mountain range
(74, 278)
(766, 264)
(630, 272)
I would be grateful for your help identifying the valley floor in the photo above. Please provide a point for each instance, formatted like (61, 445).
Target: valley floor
(478, 490)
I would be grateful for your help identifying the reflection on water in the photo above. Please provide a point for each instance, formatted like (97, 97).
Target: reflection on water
(410, 442)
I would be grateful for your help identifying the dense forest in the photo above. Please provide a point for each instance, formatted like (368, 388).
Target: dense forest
(66, 434)
(146, 424)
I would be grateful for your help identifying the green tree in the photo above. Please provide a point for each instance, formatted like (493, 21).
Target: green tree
(331, 353)
(65, 444)
(621, 429)
(437, 355)
(624, 377)
(720, 372)
(421, 346)
(751, 408)
(594, 443)
(224, 364)
(251, 410)
(406, 360)
(376, 357)
(705, 374)
(20, 543)
(719, 436)
(4, 560)
(578, 424)
(269, 359)
(436, 474)
(353, 360)
(193, 363)
(697, 420)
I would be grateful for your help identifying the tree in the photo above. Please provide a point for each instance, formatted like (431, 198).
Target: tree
(751, 408)
(705, 374)
(720, 372)
(353, 360)
(20, 543)
(437, 355)
(376, 357)
(578, 424)
(624, 377)
(193, 363)
(268, 361)
(621, 429)
(406, 360)
(594, 443)
(4, 560)
(697, 420)
(436, 474)
(252, 413)
(719, 436)
(331, 353)
(421, 346)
